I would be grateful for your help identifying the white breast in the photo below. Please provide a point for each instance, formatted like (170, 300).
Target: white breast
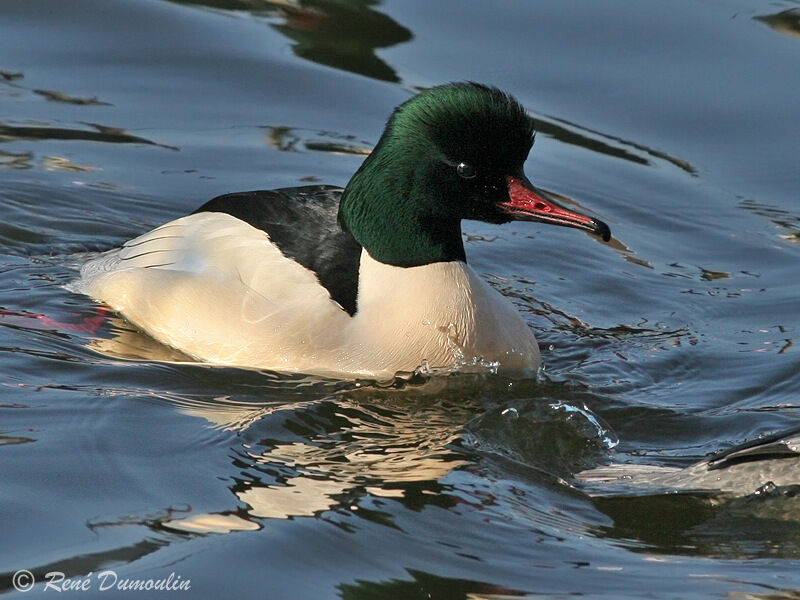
(216, 288)
(442, 313)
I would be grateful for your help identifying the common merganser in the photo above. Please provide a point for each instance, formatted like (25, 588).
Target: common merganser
(365, 281)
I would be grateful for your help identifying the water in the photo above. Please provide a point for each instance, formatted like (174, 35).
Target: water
(676, 122)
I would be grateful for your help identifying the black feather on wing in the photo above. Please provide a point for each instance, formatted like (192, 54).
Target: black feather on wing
(303, 223)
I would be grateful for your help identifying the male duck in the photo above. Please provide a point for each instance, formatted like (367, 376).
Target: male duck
(364, 281)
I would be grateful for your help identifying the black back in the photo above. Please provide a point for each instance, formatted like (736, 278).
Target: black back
(303, 223)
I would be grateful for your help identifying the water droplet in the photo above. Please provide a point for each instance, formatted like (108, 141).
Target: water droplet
(602, 431)
(767, 488)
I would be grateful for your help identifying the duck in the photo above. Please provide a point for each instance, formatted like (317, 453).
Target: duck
(365, 281)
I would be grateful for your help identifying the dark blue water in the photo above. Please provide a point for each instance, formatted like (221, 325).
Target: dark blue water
(676, 122)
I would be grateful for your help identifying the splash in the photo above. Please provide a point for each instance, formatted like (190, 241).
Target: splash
(601, 431)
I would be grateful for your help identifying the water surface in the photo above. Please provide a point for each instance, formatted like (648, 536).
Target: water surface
(676, 122)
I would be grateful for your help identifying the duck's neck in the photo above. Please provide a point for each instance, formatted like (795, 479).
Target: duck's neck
(388, 209)
(436, 286)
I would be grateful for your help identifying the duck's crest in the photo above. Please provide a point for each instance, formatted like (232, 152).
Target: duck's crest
(464, 118)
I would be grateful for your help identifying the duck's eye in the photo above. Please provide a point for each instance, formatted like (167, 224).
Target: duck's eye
(465, 170)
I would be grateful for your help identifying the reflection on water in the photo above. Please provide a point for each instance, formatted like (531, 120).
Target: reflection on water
(6, 440)
(10, 75)
(787, 223)
(25, 160)
(56, 96)
(787, 21)
(363, 452)
(344, 34)
(41, 131)
(290, 139)
(305, 458)
(16, 160)
(610, 145)
(98, 133)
